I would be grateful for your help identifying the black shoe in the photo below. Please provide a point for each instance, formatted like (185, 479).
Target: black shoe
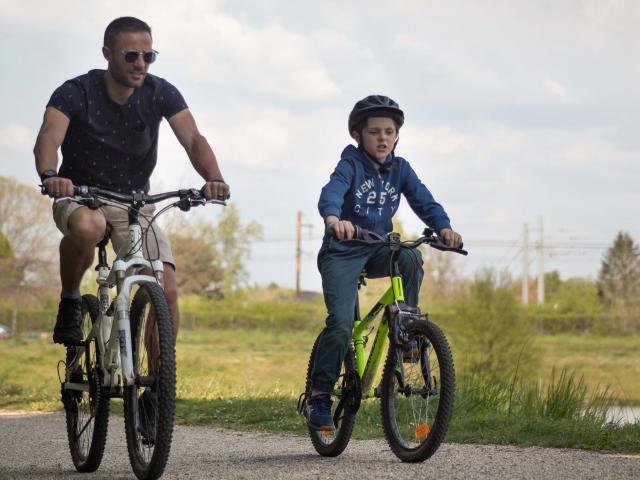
(68, 329)
(147, 411)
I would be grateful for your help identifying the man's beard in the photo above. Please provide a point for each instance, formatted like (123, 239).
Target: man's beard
(123, 80)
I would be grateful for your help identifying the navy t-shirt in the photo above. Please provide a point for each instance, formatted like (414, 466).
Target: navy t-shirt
(110, 145)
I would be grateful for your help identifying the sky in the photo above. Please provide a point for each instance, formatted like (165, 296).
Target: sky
(515, 111)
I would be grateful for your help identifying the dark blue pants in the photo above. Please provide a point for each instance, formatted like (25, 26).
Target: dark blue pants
(340, 265)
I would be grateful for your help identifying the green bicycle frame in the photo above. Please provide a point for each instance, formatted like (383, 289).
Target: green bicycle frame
(367, 371)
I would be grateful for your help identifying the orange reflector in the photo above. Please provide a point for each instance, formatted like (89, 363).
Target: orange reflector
(326, 433)
(422, 430)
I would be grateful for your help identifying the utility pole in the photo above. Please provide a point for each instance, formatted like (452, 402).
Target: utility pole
(525, 264)
(299, 226)
(298, 249)
(540, 262)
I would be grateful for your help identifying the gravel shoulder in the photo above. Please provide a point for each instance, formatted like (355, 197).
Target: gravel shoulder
(34, 445)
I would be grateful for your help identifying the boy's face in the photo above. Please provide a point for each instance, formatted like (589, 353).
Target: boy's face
(378, 137)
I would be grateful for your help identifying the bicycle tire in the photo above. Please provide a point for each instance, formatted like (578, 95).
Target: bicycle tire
(87, 412)
(332, 444)
(149, 458)
(415, 421)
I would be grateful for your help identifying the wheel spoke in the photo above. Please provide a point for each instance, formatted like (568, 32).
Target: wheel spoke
(413, 418)
(86, 408)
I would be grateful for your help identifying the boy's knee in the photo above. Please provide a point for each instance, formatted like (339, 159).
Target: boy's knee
(341, 326)
(410, 262)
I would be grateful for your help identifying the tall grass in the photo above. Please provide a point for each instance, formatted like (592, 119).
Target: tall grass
(560, 414)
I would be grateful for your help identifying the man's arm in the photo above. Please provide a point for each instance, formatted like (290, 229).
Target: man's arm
(51, 135)
(200, 153)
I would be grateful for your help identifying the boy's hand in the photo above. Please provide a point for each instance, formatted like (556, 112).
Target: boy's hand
(342, 229)
(450, 238)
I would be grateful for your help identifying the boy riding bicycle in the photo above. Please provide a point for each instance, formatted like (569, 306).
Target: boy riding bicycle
(364, 191)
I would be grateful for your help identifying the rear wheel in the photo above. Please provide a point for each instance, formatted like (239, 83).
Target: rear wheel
(149, 405)
(346, 400)
(418, 388)
(85, 404)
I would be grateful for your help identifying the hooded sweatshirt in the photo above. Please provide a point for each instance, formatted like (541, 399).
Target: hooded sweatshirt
(368, 198)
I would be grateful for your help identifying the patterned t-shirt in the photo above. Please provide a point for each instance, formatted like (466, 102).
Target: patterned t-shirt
(110, 145)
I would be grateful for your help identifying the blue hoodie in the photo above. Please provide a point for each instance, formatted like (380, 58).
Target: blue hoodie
(358, 193)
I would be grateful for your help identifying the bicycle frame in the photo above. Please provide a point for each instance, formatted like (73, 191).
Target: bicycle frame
(368, 370)
(114, 337)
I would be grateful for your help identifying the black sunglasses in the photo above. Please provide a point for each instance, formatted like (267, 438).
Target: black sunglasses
(130, 56)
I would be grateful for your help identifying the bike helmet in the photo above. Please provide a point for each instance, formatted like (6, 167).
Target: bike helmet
(375, 106)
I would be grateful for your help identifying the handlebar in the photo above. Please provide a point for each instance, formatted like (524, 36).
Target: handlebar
(428, 237)
(90, 196)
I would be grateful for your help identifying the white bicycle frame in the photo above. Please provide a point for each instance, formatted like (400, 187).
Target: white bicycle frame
(113, 335)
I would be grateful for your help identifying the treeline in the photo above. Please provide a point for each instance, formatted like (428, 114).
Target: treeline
(215, 292)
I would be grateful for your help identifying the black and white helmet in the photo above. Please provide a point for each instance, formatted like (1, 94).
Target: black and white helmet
(375, 106)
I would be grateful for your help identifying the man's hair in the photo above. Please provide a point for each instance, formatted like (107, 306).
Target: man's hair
(123, 24)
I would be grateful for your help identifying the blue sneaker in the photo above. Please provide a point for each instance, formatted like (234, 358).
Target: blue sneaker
(318, 412)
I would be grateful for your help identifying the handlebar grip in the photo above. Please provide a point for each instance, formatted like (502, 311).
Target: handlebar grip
(367, 235)
(444, 248)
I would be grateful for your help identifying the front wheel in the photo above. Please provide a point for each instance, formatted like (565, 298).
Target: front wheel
(418, 389)
(346, 400)
(149, 405)
(86, 406)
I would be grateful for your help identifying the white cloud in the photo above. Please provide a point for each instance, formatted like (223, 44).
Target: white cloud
(411, 44)
(556, 89)
(17, 137)
(270, 60)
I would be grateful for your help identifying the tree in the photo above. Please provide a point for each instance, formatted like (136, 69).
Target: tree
(233, 240)
(197, 257)
(211, 259)
(492, 333)
(26, 222)
(12, 275)
(619, 281)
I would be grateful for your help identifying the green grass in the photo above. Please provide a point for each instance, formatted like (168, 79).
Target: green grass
(604, 361)
(252, 379)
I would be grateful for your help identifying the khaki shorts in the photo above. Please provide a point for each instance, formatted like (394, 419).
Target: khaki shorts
(154, 245)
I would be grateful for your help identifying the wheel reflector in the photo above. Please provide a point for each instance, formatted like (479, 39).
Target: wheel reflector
(422, 430)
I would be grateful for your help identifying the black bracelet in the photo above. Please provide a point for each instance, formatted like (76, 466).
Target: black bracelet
(217, 180)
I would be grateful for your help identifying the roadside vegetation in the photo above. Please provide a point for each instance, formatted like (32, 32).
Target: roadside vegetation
(543, 375)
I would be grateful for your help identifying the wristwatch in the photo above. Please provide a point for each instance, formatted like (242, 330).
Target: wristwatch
(48, 174)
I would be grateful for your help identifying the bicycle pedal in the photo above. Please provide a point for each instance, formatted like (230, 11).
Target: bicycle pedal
(302, 400)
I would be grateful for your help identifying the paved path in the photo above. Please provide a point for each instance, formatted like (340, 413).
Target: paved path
(34, 446)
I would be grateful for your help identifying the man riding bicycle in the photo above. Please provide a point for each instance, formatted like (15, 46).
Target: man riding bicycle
(107, 123)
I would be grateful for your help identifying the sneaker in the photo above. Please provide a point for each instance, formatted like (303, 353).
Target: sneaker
(318, 412)
(68, 329)
(147, 406)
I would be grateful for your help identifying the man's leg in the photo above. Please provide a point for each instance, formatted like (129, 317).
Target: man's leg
(171, 292)
(85, 228)
(77, 248)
